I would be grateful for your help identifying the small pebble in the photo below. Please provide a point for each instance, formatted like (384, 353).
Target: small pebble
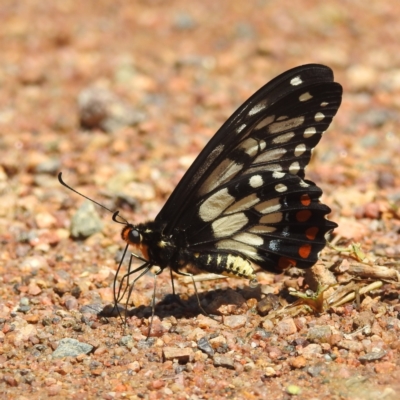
(182, 355)
(235, 321)
(293, 389)
(69, 347)
(204, 345)
(286, 327)
(86, 221)
(223, 361)
(372, 356)
(298, 362)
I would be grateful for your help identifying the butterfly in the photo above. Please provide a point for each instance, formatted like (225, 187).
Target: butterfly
(244, 202)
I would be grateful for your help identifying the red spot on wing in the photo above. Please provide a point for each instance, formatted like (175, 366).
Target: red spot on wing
(303, 215)
(305, 250)
(311, 233)
(285, 263)
(305, 200)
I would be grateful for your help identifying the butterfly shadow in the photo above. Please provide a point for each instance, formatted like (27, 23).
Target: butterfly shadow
(214, 304)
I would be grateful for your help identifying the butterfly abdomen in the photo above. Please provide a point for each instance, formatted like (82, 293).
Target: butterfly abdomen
(225, 264)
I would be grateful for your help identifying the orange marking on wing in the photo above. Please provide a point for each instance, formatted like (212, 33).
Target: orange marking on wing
(305, 250)
(305, 199)
(303, 215)
(311, 233)
(285, 263)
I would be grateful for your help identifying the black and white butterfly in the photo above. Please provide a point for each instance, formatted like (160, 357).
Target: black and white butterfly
(245, 201)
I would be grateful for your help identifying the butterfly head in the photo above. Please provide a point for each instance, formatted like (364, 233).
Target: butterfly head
(131, 235)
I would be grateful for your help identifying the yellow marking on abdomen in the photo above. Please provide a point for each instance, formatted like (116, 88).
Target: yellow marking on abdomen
(238, 266)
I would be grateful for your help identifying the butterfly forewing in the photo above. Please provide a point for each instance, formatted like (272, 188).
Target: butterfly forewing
(275, 130)
(280, 139)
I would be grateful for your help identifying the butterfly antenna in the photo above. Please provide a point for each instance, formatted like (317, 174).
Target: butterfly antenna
(114, 213)
(60, 179)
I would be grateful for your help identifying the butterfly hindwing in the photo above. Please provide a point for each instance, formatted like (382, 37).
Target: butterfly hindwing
(271, 218)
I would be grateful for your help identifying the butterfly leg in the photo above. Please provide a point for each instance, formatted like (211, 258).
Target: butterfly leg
(174, 297)
(153, 303)
(125, 287)
(196, 292)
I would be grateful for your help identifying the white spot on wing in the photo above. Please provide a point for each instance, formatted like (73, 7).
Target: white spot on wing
(294, 168)
(235, 246)
(278, 175)
(249, 238)
(283, 138)
(286, 125)
(265, 122)
(225, 171)
(270, 155)
(252, 146)
(300, 149)
(274, 245)
(271, 218)
(257, 108)
(227, 226)
(269, 206)
(324, 104)
(215, 205)
(256, 181)
(263, 168)
(280, 187)
(243, 204)
(209, 160)
(240, 128)
(304, 184)
(296, 81)
(319, 116)
(305, 96)
(262, 229)
(309, 132)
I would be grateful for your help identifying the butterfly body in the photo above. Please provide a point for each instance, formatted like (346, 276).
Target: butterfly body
(173, 251)
(245, 203)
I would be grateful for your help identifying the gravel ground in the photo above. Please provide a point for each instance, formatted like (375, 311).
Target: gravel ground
(121, 96)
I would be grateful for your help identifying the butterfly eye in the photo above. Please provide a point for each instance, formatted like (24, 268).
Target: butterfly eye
(134, 236)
